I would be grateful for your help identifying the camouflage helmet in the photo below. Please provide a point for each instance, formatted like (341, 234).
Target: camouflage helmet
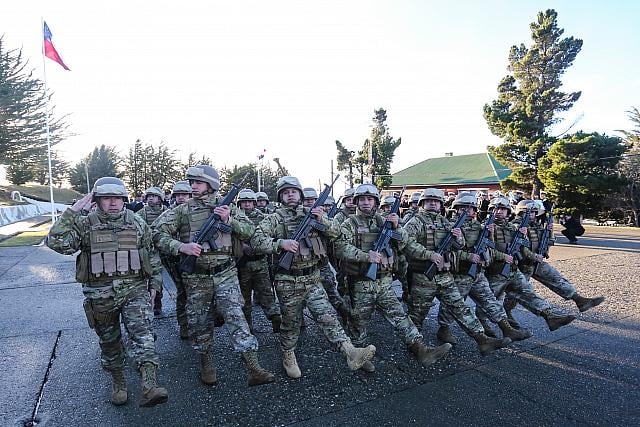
(415, 197)
(310, 193)
(154, 191)
(366, 190)
(465, 199)
(109, 186)
(204, 173)
(499, 202)
(288, 182)
(261, 195)
(432, 193)
(388, 201)
(349, 192)
(247, 195)
(181, 187)
(330, 201)
(523, 205)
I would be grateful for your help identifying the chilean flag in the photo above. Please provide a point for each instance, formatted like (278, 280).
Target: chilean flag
(49, 50)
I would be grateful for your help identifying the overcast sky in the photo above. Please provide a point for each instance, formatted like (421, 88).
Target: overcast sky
(229, 79)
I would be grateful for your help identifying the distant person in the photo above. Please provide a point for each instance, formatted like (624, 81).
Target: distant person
(137, 203)
(573, 227)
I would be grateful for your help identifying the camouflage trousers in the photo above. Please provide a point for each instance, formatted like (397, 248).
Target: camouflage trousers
(328, 280)
(480, 292)
(172, 265)
(221, 292)
(516, 286)
(551, 278)
(423, 291)
(126, 299)
(367, 296)
(296, 292)
(255, 280)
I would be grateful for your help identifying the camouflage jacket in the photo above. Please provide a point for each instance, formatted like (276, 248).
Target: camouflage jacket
(70, 234)
(272, 230)
(150, 213)
(343, 214)
(423, 226)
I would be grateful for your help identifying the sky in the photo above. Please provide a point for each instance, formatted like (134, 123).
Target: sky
(231, 79)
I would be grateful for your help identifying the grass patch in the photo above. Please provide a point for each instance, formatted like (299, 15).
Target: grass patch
(60, 195)
(27, 238)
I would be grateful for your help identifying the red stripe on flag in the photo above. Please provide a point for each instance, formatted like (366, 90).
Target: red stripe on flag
(51, 53)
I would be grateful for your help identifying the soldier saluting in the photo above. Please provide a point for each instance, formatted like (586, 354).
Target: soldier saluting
(113, 266)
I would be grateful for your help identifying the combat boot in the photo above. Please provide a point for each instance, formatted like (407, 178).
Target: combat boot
(118, 387)
(585, 304)
(444, 335)
(184, 332)
(291, 364)
(276, 321)
(207, 370)
(488, 330)
(356, 356)
(514, 334)
(151, 394)
(487, 345)
(428, 355)
(555, 321)
(257, 374)
(368, 367)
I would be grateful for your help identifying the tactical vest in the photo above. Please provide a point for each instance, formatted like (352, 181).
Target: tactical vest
(365, 237)
(198, 215)
(150, 214)
(114, 252)
(534, 236)
(436, 229)
(471, 230)
(502, 237)
(288, 227)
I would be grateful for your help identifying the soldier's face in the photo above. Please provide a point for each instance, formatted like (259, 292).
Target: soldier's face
(110, 204)
(307, 203)
(247, 205)
(386, 208)
(199, 188)
(471, 212)
(262, 203)
(432, 205)
(366, 203)
(182, 198)
(326, 208)
(153, 200)
(348, 202)
(501, 213)
(290, 196)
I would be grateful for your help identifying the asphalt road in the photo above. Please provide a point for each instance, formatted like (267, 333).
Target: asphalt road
(587, 373)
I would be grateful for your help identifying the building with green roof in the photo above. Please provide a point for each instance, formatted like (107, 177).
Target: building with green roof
(469, 172)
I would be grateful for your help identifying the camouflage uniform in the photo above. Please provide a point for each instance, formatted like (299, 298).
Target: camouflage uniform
(301, 284)
(341, 286)
(149, 214)
(253, 272)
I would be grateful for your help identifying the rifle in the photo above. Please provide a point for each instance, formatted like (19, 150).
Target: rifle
(543, 246)
(301, 234)
(384, 238)
(334, 209)
(482, 244)
(519, 240)
(209, 231)
(444, 248)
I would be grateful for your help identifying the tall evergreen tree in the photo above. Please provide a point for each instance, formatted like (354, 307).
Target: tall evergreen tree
(629, 167)
(103, 161)
(529, 99)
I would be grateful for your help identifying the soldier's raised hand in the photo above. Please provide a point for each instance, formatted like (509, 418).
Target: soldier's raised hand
(190, 249)
(523, 230)
(84, 203)
(474, 258)
(223, 211)
(375, 257)
(290, 245)
(508, 259)
(437, 259)
(318, 212)
(394, 219)
(456, 232)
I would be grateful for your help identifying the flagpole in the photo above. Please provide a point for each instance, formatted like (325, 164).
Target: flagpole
(46, 106)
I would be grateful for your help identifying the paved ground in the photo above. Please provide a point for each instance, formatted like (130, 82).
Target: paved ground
(587, 373)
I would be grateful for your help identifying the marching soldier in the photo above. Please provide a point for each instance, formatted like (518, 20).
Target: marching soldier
(355, 248)
(113, 266)
(478, 288)
(427, 228)
(253, 269)
(152, 209)
(301, 284)
(516, 285)
(214, 281)
(180, 194)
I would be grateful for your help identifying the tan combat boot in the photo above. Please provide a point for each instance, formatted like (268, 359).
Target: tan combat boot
(368, 367)
(514, 334)
(427, 356)
(151, 394)
(257, 374)
(207, 370)
(488, 330)
(444, 335)
(555, 320)
(488, 345)
(291, 364)
(356, 357)
(585, 304)
(118, 387)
